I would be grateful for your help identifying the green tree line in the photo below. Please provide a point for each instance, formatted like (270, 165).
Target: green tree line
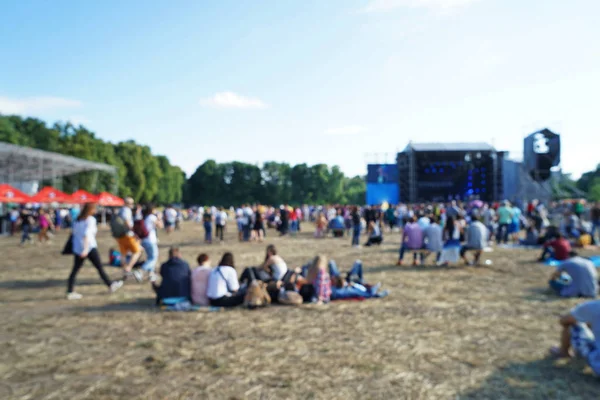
(274, 183)
(140, 174)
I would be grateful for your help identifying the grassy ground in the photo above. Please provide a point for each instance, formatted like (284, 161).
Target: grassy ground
(443, 333)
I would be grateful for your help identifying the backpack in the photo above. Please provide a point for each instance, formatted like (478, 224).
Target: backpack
(118, 228)
(257, 294)
(140, 229)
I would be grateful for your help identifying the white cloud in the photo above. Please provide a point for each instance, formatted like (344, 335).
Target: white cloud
(345, 130)
(389, 5)
(232, 100)
(32, 105)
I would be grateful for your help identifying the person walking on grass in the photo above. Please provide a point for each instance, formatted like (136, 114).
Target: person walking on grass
(86, 248)
(122, 231)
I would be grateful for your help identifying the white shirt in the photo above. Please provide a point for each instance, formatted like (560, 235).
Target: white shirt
(217, 286)
(222, 217)
(82, 230)
(127, 215)
(150, 223)
(171, 215)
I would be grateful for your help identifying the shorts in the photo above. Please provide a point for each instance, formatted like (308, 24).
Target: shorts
(128, 244)
(514, 227)
(169, 224)
(582, 340)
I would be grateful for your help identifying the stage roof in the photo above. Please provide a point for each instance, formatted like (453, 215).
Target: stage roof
(23, 164)
(449, 147)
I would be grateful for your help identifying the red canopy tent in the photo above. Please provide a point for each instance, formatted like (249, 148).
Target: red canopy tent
(9, 194)
(82, 197)
(110, 200)
(50, 195)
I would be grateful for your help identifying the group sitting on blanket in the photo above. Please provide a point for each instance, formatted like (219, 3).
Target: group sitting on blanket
(319, 281)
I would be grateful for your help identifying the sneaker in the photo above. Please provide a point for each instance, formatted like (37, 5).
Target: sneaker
(74, 296)
(399, 263)
(138, 275)
(116, 285)
(152, 276)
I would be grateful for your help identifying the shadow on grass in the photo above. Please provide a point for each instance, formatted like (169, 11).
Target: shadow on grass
(543, 379)
(145, 304)
(43, 284)
(411, 268)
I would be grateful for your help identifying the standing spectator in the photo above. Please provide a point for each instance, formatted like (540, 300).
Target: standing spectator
(26, 223)
(220, 221)
(356, 227)
(150, 241)
(595, 217)
(170, 217)
(505, 217)
(45, 224)
(207, 218)
(85, 248)
(14, 221)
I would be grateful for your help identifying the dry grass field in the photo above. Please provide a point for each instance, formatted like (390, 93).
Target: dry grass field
(443, 333)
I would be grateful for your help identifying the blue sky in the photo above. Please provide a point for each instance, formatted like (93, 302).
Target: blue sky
(334, 81)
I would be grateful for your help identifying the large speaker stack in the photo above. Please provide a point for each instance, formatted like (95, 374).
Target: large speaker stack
(541, 154)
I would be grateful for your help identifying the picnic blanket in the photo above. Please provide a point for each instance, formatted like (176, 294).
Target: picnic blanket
(551, 262)
(183, 304)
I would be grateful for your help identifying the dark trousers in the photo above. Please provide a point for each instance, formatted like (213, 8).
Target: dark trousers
(356, 235)
(219, 232)
(207, 231)
(228, 301)
(25, 236)
(374, 240)
(94, 257)
(403, 249)
(502, 234)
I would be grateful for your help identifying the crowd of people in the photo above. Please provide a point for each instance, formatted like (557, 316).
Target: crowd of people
(448, 231)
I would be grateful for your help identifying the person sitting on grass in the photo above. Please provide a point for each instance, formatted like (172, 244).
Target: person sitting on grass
(559, 249)
(412, 239)
(532, 236)
(375, 236)
(583, 280)
(433, 237)
(176, 276)
(223, 285)
(477, 240)
(581, 333)
(274, 265)
(200, 276)
(317, 288)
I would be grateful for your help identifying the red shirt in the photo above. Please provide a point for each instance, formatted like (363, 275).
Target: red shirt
(562, 248)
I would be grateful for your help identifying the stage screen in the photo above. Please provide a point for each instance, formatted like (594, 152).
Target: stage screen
(454, 175)
(382, 173)
(377, 193)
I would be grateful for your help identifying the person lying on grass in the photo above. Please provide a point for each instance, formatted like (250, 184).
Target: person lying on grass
(580, 334)
(583, 280)
(352, 287)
